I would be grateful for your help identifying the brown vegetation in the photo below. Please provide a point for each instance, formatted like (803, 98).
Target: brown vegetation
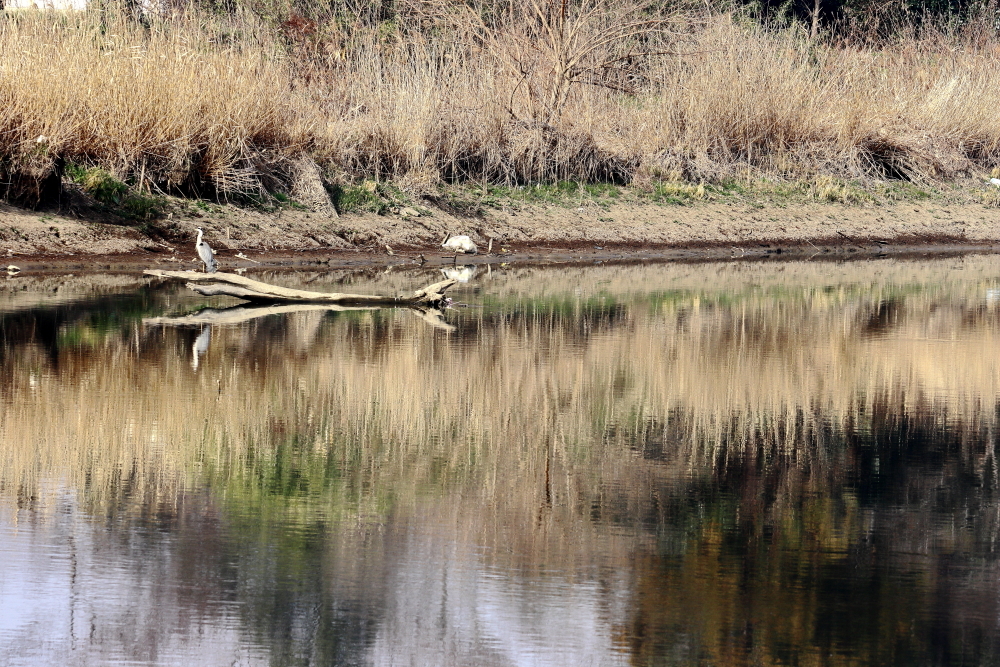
(588, 91)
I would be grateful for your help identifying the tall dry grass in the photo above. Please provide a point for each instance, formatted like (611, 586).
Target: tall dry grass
(183, 103)
(599, 92)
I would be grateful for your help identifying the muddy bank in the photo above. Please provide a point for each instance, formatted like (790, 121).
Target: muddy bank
(289, 237)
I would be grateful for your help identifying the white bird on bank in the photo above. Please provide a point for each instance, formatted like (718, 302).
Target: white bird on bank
(205, 253)
(458, 244)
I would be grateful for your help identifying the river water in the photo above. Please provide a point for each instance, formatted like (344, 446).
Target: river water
(670, 464)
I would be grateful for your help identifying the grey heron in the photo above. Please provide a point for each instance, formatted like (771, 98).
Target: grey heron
(205, 253)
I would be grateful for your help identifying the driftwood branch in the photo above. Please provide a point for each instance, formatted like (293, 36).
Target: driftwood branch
(230, 284)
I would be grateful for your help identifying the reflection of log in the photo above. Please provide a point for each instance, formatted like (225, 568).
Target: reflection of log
(230, 284)
(239, 314)
(433, 317)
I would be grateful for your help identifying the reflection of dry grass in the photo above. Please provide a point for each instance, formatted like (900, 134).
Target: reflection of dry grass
(411, 407)
(547, 428)
(26, 291)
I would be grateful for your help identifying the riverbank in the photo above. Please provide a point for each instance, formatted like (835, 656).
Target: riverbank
(230, 105)
(565, 231)
(695, 135)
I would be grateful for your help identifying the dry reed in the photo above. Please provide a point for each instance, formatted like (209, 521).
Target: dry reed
(180, 104)
(212, 105)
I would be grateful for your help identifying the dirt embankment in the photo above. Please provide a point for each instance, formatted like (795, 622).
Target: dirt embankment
(297, 236)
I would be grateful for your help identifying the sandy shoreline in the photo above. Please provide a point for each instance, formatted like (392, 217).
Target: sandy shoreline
(700, 231)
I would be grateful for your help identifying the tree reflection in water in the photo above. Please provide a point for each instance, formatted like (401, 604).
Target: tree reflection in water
(717, 464)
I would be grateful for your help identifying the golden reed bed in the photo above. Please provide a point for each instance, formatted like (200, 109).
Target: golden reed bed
(221, 104)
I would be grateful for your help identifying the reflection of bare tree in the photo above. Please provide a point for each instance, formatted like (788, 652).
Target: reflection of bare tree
(485, 616)
(807, 554)
(142, 592)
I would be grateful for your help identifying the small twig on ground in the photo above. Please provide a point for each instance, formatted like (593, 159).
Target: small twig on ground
(853, 242)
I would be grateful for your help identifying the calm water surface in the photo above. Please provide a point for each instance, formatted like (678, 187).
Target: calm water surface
(714, 464)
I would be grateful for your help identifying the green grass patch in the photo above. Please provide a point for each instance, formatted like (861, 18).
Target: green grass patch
(474, 199)
(368, 197)
(834, 190)
(265, 201)
(903, 191)
(562, 193)
(673, 192)
(114, 194)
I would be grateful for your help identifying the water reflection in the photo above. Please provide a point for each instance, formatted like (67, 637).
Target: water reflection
(72, 593)
(200, 346)
(462, 274)
(721, 464)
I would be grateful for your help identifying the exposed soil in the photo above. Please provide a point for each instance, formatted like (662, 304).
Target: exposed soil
(77, 239)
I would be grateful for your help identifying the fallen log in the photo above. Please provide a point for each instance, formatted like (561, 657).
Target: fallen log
(231, 284)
